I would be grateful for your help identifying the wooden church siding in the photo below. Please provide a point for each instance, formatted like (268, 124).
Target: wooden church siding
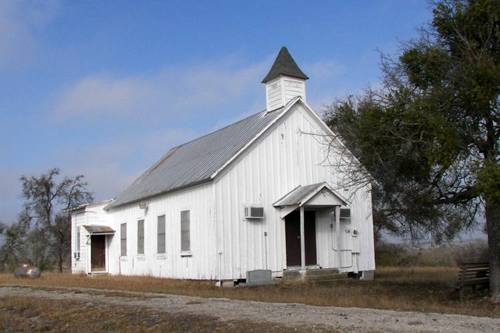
(200, 264)
(284, 158)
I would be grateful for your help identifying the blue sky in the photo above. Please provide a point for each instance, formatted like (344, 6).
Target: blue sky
(104, 88)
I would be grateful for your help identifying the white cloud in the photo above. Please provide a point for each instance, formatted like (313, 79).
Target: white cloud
(171, 91)
(110, 168)
(100, 94)
(20, 21)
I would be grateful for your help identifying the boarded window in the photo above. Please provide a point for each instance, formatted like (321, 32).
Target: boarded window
(185, 231)
(123, 239)
(161, 234)
(140, 237)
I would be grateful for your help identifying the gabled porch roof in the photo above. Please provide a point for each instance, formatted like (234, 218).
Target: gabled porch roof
(319, 194)
(313, 195)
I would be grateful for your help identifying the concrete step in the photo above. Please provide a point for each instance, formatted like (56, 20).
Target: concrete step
(321, 272)
(314, 275)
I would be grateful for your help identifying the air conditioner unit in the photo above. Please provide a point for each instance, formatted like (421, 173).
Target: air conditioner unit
(254, 212)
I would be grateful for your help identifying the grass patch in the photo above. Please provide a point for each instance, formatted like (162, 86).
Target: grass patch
(23, 314)
(425, 289)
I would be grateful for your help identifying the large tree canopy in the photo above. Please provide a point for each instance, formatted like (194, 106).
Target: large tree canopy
(429, 138)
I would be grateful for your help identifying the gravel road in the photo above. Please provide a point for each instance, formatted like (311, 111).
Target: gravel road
(289, 314)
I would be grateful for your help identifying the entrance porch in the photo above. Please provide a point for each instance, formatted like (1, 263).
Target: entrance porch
(299, 209)
(98, 240)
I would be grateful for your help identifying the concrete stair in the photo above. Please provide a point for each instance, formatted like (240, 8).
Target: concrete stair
(314, 275)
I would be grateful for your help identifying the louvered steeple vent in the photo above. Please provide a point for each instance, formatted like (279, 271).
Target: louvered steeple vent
(284, 81)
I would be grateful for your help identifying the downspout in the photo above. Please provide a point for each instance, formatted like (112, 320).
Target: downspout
(337, 230)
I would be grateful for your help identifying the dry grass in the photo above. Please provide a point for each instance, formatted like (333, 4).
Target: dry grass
(23, 314)
(426, 289)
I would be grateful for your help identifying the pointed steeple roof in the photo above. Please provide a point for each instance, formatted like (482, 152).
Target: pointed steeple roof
(284, 65)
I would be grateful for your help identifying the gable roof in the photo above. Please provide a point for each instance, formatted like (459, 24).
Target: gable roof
(300, 195)
(284, 65)
(199, 160)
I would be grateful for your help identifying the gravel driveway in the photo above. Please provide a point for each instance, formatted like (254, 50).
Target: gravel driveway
(289, 314)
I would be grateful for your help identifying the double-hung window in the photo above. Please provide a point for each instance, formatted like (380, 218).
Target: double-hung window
(185, 231)
(140, 237)
(160, 242)
(77, 239)
(123, 239)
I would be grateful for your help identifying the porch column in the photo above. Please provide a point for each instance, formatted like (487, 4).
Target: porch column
(302, 241)
(337, 236)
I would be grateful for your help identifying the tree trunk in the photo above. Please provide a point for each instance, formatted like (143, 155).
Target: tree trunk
(493, 229)
(60, 262)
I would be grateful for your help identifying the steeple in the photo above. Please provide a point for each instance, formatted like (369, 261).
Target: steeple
(284, 81)
(284, 65)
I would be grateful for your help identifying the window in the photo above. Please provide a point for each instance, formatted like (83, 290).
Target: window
(185, 232)
(345, 215)
(160, 243)
(77, 239)
(140, 237)
(123, 239)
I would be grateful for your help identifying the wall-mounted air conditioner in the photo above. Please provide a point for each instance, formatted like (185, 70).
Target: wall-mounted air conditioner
(254, 212)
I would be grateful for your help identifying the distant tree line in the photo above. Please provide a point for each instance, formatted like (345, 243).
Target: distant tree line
(41, 236)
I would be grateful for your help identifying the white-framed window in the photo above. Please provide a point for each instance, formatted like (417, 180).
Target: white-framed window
(76, 253)
(123, 239)
(77, 239)
(185, 231)
(140, 237)
(160, 231)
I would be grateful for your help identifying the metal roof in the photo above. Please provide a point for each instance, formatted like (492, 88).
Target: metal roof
(302, 194)
(284, 65)
(99, 229)
(295, 196)
(194, 162)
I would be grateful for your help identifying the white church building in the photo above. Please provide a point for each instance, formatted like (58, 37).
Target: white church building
(254, 195)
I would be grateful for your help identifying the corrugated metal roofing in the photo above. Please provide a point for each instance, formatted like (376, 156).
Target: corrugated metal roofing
(99, 229)
(195, 161)
(299, 193)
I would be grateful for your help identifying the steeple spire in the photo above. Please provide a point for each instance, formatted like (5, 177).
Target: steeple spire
(284, 81)
(284, 65)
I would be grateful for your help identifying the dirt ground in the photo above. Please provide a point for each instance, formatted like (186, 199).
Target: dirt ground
(421, 289)
(31, 314)
(197, 314)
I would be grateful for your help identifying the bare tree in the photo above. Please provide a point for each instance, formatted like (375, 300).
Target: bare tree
(48, 202)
